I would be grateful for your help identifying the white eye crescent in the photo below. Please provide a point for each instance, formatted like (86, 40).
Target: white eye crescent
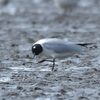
(34, 47)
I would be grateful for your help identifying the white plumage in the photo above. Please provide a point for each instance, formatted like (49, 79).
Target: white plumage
(55, 48)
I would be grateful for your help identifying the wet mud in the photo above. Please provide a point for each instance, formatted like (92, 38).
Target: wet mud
(23, 22)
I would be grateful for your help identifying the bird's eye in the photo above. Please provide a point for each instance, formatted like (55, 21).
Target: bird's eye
(34, 47)
(37, 49)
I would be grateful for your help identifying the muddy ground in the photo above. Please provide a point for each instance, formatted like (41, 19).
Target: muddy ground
(22, 22)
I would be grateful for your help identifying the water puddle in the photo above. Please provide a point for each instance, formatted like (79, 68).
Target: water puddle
(50, 99)
(9, 62)
(21, 68)
(4, 79)
(45, 69)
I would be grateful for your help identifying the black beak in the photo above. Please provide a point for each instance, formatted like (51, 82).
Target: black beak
(34, 55)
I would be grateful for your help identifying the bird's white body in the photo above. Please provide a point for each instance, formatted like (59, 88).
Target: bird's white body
(57, 48)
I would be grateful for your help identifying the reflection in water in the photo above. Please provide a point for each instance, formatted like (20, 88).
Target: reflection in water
(21, 68)
(51, 99)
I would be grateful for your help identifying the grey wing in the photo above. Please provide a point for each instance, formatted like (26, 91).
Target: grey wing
(63, 47)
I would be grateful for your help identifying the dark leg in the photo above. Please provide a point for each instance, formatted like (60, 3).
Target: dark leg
(49, 61)
(44, 61)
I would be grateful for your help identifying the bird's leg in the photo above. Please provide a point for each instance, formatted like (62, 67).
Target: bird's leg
(44, 61)
(53, 64)
(49, 61)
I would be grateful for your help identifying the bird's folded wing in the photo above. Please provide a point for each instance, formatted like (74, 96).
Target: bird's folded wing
(63, 47)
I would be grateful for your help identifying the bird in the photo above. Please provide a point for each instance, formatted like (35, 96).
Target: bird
(66, 4)
(56, 48)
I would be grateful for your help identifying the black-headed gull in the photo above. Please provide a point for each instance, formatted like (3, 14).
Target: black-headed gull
(55, 48)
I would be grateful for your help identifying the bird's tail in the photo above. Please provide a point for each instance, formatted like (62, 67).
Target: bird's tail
(85, 44)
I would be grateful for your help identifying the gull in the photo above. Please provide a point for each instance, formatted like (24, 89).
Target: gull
(56, 48)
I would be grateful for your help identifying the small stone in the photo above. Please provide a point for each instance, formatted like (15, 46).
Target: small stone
(19, 87)
(95, 69)
(13, 45)
(37, 88)
(80, 78)
(3, 99)
(23, 63)
(3, 88)
(83, 98)
(27, 56)
(62, 91)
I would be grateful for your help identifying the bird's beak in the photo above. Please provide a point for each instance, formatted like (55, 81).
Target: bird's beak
(34, 55)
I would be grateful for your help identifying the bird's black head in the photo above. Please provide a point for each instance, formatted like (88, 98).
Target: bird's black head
(37, 49)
